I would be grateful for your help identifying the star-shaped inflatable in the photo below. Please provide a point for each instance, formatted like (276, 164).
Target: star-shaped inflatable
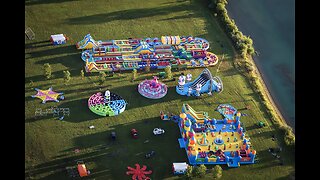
(46, 95)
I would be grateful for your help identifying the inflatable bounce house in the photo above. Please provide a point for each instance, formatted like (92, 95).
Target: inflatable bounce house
(204, 83)
(108, 104)
(214, 141)
(152, 89)
(129, 54)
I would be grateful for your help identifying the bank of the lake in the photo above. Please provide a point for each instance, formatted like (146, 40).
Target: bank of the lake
(272, 31)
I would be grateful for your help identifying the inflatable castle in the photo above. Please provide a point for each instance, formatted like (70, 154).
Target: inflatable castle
(157, 53)
(213, 141)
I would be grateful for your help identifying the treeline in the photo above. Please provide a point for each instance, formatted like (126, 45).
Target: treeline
(244, 46)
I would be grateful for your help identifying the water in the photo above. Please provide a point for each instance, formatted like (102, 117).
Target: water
(271, 25)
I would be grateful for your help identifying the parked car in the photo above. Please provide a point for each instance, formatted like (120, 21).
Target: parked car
(134, 133)
(158, 131)
(150, 154)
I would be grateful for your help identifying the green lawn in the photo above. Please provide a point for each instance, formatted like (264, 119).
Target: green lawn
(49, 143)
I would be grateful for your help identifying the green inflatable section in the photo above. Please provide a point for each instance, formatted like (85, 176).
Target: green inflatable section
(102, 110)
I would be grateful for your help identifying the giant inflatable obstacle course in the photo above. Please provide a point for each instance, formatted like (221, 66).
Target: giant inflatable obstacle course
(136, 53)
(107, 104)
(204, 83)
(152, 89)
(214, 141)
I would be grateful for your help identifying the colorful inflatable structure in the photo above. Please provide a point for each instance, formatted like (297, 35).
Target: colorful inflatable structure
(46, 95)
(82, 170)
(152, 89)
(139, 173)
(116, 55)
(87, 43)
(109, 104)
(204, 83)
(213, 141)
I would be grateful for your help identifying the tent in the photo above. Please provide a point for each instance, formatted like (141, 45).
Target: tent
(58, 39)
(179, 168)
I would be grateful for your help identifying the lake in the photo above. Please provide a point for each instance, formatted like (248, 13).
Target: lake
(271, 25)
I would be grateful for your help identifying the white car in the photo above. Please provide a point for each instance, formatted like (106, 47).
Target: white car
(158, 131)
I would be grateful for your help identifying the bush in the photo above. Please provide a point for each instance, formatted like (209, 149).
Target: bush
(82, 74)
(251, 50)
(134, 74)
(217, 171)
(147, 68)
(102, 77)
(289, 137)
(67, 76)
(200, 171)
(168, 72)
(189, 173)
(47, 70)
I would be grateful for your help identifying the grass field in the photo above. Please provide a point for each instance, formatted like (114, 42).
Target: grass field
(50, 143)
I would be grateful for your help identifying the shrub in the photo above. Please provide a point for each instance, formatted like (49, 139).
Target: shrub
(134, 74)
(47, 70)
(168, 72)
(82, 74)
(147, 68)
(200, 171)
(67, 76)
(102, 77)
(189, 173)
(289, 137)
(217, 171)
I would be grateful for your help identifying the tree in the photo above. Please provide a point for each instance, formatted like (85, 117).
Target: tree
(82, 74)
(217, 171)
(220, 7)
(134, 74)
(66, 76)
(188, 173)
(250, 50)
(47, 70)
(168, 72)
(200, 171)
(147, 68)
(102, 77)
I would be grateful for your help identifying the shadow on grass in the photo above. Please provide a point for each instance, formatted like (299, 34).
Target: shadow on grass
(129, 14)
(37, 2)
(136, 100)
(38, 44)
(55, 50)
(99, 149)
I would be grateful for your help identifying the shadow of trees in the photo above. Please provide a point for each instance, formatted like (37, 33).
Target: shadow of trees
(128, 14)
(54, 50)
(99, 149)
(37, 2)
(38, 44)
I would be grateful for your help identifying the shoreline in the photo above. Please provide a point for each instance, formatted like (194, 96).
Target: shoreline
(282, 119)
